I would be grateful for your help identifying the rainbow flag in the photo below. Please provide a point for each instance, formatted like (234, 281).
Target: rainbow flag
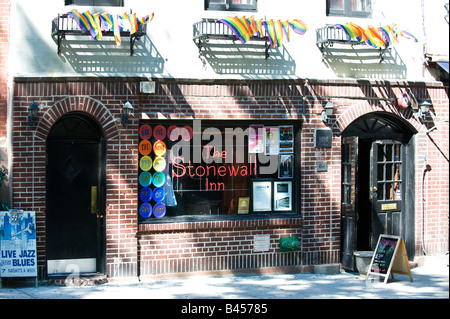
(238, 28)
(278, 32)
(80, 20)
(106, 21)
(132, 19)
(96, 33)
(286, 34)
(270, 29)
(98, 25)
(389, 34)
(259, 28)
(298, 26)
(408, 35)
(116, 29)
(353, 32)
(247, 24)
(146, 19)
(374, 37)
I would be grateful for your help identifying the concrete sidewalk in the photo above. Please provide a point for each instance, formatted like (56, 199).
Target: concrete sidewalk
(429, 282)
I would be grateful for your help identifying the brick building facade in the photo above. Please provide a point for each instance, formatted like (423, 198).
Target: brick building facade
(230, 162)
(227, 242)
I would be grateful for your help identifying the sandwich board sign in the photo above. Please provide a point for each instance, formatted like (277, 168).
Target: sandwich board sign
(18, 256)
(389, 257)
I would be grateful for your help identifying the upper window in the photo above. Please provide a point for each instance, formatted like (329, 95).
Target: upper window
(110, 3)
(231, 5)
(349, 8)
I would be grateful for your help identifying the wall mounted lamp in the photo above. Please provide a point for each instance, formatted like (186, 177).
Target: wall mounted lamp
(327, 112)
(33, 110)
(127, 111)
(424, 108)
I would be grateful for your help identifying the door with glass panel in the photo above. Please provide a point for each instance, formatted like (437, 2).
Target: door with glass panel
(387, 188)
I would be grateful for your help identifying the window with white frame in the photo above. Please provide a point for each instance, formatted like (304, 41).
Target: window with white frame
(231, 5)
(349, 8)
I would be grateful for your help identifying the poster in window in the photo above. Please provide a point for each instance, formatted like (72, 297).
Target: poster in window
(271, 137)
(282, 198)
(243, 205)
(262, 196)
(256, 139)
(286, 166)
(286, 139)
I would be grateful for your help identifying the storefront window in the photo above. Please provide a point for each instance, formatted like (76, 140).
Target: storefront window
(214, 168)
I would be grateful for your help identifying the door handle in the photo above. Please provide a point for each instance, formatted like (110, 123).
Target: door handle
(374, 189)
(94, 200)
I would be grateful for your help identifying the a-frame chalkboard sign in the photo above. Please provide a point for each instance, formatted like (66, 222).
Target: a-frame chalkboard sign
(389, 257)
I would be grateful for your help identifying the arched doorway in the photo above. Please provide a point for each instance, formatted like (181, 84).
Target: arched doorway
(75, 196)
(377, 183)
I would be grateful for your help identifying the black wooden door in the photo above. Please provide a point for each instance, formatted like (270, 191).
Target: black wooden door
(74, 166)
(349, 197)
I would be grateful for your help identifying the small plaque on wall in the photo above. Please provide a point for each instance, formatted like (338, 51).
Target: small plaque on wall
(322, 167)
(323, 137)
(261, 243)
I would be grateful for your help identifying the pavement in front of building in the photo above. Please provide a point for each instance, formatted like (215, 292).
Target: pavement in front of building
(429, 282)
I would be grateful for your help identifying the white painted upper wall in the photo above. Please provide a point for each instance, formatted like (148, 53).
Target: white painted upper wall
(169, 51)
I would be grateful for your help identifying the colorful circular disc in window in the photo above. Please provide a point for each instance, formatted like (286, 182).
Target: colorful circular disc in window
(159, 210)
(159, 179)
(159, 164)
(145, 179)
(145, 147)
(186, 133)
(145, 194)
(145, 163)
(145, 132)
(173, 133)
(145, 210)
(159, 148)
(159, 194)
(159, 132)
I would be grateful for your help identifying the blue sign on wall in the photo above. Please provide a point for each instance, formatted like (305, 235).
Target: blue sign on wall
(18, 255)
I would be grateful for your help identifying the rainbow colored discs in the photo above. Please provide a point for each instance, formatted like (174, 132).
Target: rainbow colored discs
(145, 210)
(145, 132)
(145, 163)
(159, 132)
(159, 194)
(159, 210)
(145, 194)
(159, 179)
(145, 147)
(173, 133)
(145, 179)
(186, 133)
(159, 148)
(159, 164)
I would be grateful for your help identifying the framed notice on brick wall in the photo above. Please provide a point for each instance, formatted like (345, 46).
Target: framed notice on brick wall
(18, 244)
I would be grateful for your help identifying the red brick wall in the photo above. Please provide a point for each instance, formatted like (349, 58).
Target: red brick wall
(4, 47)
(216, 245)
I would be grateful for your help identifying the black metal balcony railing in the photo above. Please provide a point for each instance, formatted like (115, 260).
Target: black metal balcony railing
(331, 34)
(214, 29)
(63, 25)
